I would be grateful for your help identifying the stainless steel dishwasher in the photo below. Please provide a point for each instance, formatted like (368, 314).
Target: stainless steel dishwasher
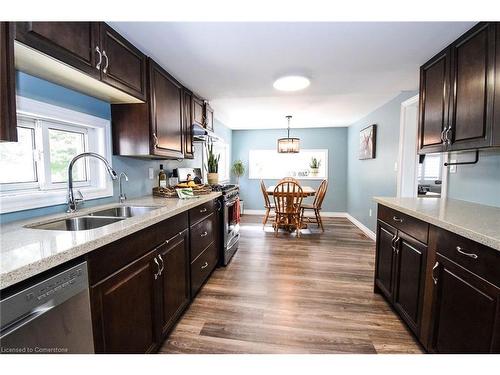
(51, 316)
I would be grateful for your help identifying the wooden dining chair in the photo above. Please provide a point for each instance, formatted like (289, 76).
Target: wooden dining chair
(290, 179)
(288, 197)
(267, 203)
(316, 205)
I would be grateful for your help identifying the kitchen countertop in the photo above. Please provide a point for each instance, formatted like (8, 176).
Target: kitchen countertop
(25, 252)
(474, 221)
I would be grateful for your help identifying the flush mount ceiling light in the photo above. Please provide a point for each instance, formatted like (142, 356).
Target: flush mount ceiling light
(288, 145)
(291, 83)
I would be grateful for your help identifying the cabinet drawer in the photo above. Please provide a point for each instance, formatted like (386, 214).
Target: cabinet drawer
(202, 235)
(477, 258)
(202, 266)
(405, 223)
(203, 210)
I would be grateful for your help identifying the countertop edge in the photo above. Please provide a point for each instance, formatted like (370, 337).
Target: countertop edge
(27, 271)
(454, 228)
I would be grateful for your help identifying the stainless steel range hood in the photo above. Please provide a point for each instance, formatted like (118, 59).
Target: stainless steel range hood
(200, 134)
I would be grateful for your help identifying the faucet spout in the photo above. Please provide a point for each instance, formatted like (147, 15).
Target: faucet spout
(122, 197)
(72, 202)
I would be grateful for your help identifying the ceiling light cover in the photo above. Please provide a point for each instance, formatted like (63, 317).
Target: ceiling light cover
(288, 145)
(291, 83)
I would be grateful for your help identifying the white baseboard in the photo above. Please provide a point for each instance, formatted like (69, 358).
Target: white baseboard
(356, 222)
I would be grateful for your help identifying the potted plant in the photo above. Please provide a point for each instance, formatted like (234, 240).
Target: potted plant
(238, 170)
(314, 165)
(212, 165)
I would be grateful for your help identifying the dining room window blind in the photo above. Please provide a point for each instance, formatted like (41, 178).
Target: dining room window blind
(269, 164)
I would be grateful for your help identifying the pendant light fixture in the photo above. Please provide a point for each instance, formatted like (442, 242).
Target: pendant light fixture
(288, 145)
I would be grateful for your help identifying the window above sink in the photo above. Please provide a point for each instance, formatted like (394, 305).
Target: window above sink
(36, 166)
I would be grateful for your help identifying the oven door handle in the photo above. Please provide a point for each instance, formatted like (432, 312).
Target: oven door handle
(233, 240)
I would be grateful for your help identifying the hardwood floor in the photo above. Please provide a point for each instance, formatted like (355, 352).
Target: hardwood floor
(287, 295)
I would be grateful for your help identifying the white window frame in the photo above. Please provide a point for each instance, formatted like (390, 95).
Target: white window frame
(98, 140)
(253, 175)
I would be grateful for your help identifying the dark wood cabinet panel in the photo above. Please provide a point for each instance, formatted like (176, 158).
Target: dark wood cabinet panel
(166, 102)
(409, 282)
(496, 105)
(416, 228)
(73, 43)
(384, 266)
(175, 290)
(202, 267)
(209, 117)
(187, 119)
(202, 235)
(8, 118)
(433, 107)
(123, 308)
(123, 65)
(198, 111)
(466, 311)
(472, 66)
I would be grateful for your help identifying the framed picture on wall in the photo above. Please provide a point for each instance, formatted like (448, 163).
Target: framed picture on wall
(367, 142)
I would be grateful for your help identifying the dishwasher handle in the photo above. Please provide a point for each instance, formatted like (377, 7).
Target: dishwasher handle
(32, 315)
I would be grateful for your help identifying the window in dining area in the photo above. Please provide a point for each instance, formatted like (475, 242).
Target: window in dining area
(269, 164)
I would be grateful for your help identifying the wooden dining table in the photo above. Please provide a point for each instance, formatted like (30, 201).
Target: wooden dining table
(307, 191)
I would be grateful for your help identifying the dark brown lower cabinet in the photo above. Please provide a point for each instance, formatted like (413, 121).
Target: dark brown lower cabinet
(123, 307)
(400, 272)
(8, 121)
(466, 311)
(174, 293)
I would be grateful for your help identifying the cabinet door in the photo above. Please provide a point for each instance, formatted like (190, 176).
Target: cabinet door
(123, 308)
(496, 105)
(123, 65)
(209, 117)
(466, 315)
(385, 258)
(187, 119)
(73, 43)
(8, 121)
(472, 66)
(409, 280)
(433, 108)
(166, 104)
(174, 280)
(198, 111)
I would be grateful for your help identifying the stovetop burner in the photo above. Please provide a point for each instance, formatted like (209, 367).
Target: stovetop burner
(224, 188)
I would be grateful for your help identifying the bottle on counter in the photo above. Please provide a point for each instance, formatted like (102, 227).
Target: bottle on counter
(162, 177)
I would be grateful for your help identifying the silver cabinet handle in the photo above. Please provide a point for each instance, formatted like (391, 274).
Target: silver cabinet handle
(155, 140)
(105, 69)
(397, 219)
(434, 277)
(204, 266)
(98, 66)
(162, 264)
(204, 234)
(158, 266)
(470, 255)
(393, 245)
(447, 131)
(202, 210)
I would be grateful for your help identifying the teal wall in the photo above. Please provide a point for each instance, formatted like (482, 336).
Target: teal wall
(333, 139)
(479, 183)
(374, 177)
(139, 183)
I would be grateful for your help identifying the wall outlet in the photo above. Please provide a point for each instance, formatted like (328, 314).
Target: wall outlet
(453, 168)
(151, 173)
(370, 212)
(395, 167)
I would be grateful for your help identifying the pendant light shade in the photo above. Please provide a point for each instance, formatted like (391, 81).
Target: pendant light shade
(288, 145)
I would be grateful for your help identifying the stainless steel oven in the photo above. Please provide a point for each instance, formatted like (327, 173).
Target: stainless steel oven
(231, 222)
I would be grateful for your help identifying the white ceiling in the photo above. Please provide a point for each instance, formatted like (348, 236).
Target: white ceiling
(354, 67)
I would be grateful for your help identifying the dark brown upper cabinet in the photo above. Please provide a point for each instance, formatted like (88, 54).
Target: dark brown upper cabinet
(86, 56)
(153, 129)
(187, 119)
(123, 65)
(209, 117)
(433, 108)
(496, 105)
(457, 94)
(198, 111)
(8, 121)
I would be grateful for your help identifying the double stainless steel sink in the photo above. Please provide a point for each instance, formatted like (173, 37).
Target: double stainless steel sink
(96, 219)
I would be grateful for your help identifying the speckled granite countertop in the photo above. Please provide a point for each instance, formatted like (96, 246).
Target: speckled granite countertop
(474, 221)
(25, 252)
